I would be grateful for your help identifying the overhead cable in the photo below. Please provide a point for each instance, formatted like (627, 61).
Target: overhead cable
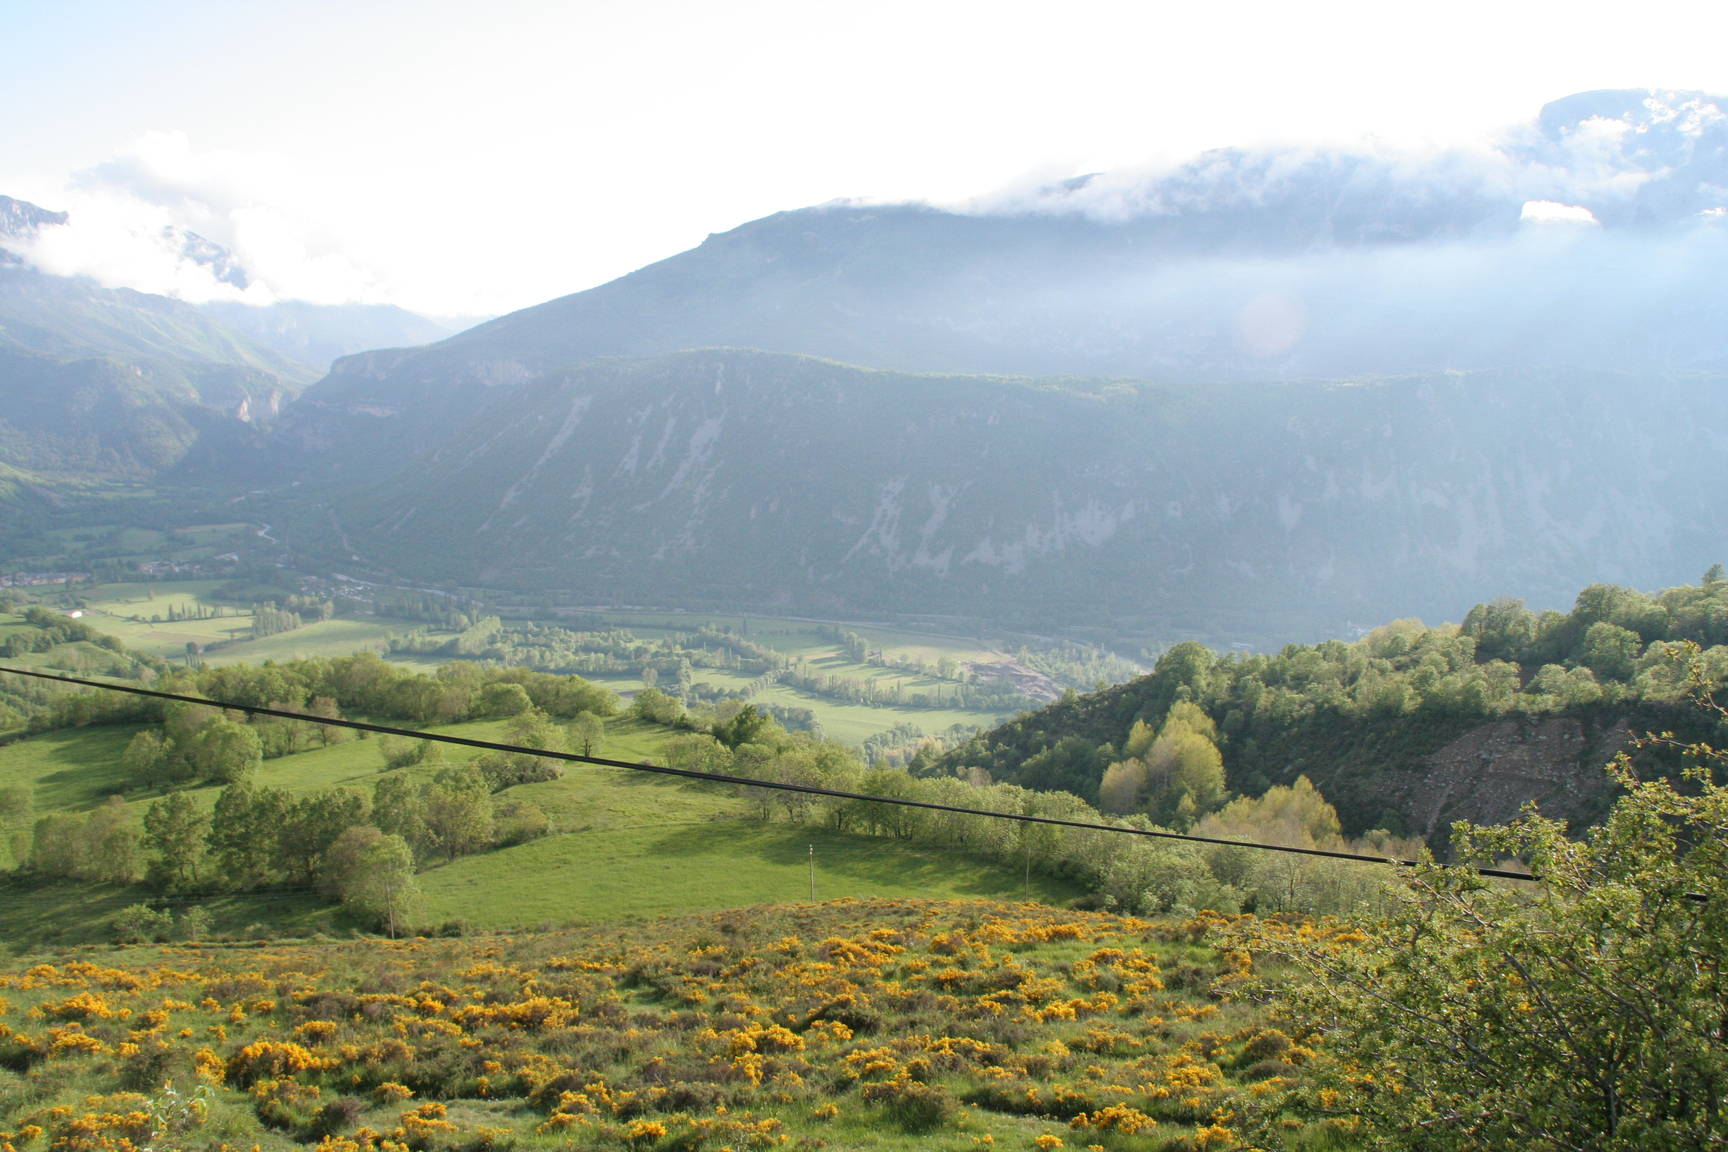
(745, 781)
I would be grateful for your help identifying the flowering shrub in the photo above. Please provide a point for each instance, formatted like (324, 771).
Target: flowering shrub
(988, 1023)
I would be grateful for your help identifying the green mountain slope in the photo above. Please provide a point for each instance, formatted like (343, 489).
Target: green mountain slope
(125, 420)
(68, 317)
(116, 384)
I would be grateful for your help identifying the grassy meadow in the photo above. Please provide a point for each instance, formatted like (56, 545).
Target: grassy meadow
(621, 845)
(137, 615)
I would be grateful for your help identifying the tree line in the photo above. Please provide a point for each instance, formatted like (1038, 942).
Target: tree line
(1129, 873)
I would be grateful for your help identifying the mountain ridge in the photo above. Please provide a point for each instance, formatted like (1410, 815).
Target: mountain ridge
(731, 479)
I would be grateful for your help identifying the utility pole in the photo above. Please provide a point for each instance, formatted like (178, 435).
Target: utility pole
(812, 873)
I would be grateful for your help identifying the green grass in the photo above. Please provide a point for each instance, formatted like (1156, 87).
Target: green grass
(63, 914)
(325, 638)
(125, 610)
(675, 864)
(76, 769)
(852, 723)
(803, 638)
(69, 770)
(847, 723)
(624, 845)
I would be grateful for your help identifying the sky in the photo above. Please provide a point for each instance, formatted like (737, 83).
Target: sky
(462, 159)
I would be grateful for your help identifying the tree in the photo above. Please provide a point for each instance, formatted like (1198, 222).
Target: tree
(15, 806)
(141, 924)
(1610, 651)
(697, 752)
(1503, 629)
(654, 705)
(588, 733)
(311, 824)
(174, 831)
(458, 812)
(146, 758)
(225, 752)
(111, 843)
(504, 700)
(518, 822)
(1584, 1012)
(747, 726)
(243, 830)
(1184, 767)
(1123, 788)
(382, 888)
(399, 809)
(343, 861)
(57, 845)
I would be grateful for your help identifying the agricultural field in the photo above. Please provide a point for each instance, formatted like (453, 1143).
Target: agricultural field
(138, 616)
(854, 723)
(861, 698)
(880, 1024)
(855, 681)
(803, 638)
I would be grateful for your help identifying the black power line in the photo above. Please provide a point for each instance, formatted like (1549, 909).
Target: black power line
(714, 777)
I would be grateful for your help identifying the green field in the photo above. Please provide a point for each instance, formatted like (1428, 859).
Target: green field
(126, 611)
(668, 865)
(623, 845)
(135, 614)
(846, 722)
(803, 638)
(78, 768)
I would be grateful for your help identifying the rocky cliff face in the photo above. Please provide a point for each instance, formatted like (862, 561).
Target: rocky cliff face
(1488, 774)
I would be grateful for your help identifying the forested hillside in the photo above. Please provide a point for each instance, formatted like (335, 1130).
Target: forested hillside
(1409, 727)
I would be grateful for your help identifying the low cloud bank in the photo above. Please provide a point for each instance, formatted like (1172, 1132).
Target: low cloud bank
(200, 226)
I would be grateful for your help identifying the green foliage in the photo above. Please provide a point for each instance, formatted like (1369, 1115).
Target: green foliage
(1582, 1012)
(147, 758)
(746, 726)
(382, 889)
(654, 705)
(100, 845)
(142, 924)
(225, 751)
(1353, 715)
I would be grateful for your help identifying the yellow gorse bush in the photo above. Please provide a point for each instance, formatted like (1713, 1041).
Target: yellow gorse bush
(717, 1032)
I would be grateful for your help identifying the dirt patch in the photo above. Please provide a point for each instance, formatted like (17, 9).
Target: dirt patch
(1026, 680)
(1487, 775)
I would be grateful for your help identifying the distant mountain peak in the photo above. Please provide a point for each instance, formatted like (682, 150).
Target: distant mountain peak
(1644, 111)
(20, 220)
(219, 261)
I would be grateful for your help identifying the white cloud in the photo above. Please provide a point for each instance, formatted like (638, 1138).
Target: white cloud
(1554, 212)
(127, 217)
(121, 242)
